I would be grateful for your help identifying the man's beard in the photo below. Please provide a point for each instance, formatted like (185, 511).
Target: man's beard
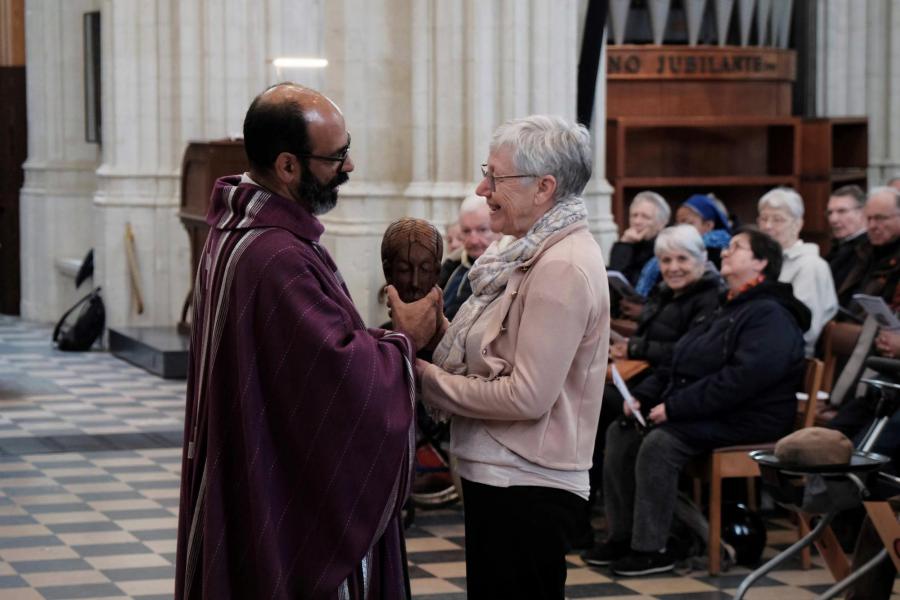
(320, 198)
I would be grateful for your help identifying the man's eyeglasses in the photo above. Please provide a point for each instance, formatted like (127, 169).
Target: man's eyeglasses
(881, 218)
(493, 179)
(339, 157)
(841, 211)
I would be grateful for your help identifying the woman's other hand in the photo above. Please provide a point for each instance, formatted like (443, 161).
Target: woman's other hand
(658, 414)
(619, 350)
(626, 408)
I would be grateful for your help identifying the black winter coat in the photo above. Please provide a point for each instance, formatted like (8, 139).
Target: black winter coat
(666, 318)
(734, 376)
(630, 257)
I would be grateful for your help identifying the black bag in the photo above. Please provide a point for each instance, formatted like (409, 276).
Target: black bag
(82, 334)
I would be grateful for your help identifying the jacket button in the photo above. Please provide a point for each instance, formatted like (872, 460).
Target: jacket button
(514, 293)
(502, 329)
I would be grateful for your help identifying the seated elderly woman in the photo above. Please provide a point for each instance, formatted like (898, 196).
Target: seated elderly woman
(522, 366)
(781, 216)
(704, 214)
(689, 292)
(732, 380)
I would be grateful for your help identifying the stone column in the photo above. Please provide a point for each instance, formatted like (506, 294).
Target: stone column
(56, 199)
(174, 73)
(138, 181)
(883, 90)
(598, 194)
(858, 71)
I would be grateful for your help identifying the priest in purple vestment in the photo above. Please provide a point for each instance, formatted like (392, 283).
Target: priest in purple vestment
(299, 429)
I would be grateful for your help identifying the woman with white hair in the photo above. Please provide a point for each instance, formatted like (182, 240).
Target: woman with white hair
(522, 366)
(689, 290)
(781, 216)
(688, 294)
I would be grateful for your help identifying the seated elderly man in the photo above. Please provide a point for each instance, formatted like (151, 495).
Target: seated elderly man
(877, 269)
(633, 256)
(647, 215)
(848, 226)
(476, 234)
(732, 380)
(781, 216)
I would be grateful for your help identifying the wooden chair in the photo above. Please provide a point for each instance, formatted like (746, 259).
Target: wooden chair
(836, 343)
(735, 461)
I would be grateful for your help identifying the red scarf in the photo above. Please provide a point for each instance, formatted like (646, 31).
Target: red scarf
(750, 284)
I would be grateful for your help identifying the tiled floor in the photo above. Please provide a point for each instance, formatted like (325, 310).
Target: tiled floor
(89, 460)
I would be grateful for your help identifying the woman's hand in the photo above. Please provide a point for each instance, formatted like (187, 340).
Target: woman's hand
(626, 409)
(888, 343)
(419, 319)
(619, 350)
(658, 414)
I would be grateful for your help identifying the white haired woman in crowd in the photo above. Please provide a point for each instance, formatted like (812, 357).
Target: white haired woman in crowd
(781, 216)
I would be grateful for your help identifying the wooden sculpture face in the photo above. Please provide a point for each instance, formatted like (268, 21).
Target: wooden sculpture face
(411, 253)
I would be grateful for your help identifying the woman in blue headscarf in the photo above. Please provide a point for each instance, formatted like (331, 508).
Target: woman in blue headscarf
(707, 217)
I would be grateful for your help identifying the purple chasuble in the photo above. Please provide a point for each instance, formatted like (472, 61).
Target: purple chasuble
(299, 434)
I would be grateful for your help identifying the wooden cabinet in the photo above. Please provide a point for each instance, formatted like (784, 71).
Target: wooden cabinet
(835, 153)
(203, 163)
(736, 158)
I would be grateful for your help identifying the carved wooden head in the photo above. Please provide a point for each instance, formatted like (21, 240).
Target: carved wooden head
(411, 253)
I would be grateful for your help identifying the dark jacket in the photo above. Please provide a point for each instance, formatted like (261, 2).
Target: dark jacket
(877, 273)
(842, 258)
(447, 268)
(667, 317)
(457, 290)
(734, 376)
(630, 257)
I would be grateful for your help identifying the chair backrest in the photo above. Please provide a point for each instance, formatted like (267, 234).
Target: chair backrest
(838, 341)
(812, 385)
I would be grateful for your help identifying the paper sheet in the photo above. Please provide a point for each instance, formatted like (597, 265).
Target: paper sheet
(629, 399)
(875, 306)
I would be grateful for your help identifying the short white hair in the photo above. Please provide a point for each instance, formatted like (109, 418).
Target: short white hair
(884, 189)
(472, 203)
(663, 211)
(783, 198)
(681, 237)
(549, 145)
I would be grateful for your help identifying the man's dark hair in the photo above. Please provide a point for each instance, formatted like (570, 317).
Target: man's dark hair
(853, 191)
(271, 128)
(764, 247)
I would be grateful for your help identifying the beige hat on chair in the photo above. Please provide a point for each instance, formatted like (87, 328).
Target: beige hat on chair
(814, 446)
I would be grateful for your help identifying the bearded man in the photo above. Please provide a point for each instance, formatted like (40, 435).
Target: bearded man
(299, 429)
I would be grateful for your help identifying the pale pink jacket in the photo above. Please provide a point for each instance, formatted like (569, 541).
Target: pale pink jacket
(538, 381)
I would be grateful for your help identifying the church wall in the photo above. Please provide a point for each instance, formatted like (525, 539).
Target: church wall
(422, 85)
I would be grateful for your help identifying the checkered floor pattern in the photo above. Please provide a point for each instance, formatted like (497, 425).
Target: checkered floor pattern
(89, 461)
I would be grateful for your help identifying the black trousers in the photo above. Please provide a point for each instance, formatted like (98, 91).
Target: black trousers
(517, 539)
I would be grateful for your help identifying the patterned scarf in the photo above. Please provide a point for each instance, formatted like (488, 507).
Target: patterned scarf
(490, 273)
(732, 294)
